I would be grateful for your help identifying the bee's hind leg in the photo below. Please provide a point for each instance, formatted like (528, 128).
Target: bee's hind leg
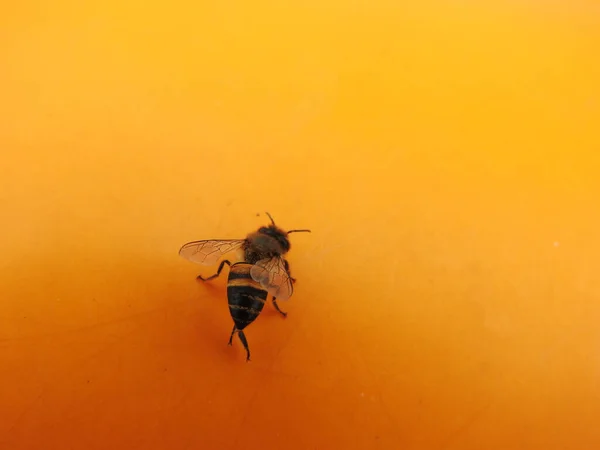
(200, 277)
(283, 313)
(242, 337)
(231, 337)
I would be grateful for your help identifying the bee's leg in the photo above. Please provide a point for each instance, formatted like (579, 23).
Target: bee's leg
(231, 337)
(200, 277)
(287, 269)
(283, 313)
(245, 343)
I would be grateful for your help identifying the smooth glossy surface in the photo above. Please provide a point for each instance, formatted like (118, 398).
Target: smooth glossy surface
(444, 155)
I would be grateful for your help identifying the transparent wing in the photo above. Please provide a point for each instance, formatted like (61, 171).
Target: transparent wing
(273, 276)
(210, 251)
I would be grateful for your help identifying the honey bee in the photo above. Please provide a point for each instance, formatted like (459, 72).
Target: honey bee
(260, 269)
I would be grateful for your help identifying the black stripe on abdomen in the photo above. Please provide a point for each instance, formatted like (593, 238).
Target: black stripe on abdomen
(237, 275)
(250, 291)
(245, 304)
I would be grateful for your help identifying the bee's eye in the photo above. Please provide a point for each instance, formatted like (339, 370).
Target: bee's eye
(283, 241)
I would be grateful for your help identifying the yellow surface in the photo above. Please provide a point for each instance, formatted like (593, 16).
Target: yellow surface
(445, 156)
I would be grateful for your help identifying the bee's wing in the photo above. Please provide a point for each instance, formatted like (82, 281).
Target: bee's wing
(208, 252)
(271, 274)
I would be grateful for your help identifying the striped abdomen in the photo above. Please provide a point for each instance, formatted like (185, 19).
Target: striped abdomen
(246, 297)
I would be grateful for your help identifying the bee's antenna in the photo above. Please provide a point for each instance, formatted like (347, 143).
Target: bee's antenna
(272, 221)
(298, 231)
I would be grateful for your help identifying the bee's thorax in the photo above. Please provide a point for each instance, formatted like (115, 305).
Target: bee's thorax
(267, 242)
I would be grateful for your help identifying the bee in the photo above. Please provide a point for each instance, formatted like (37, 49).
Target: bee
(260, 269)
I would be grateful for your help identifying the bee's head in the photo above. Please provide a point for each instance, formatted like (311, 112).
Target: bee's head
(280, 235)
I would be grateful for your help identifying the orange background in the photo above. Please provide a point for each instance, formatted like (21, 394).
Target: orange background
(445, 156)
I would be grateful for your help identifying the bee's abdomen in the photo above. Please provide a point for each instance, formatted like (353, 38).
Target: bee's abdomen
(245, 296)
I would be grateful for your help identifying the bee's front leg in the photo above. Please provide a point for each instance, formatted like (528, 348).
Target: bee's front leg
(287, 269)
